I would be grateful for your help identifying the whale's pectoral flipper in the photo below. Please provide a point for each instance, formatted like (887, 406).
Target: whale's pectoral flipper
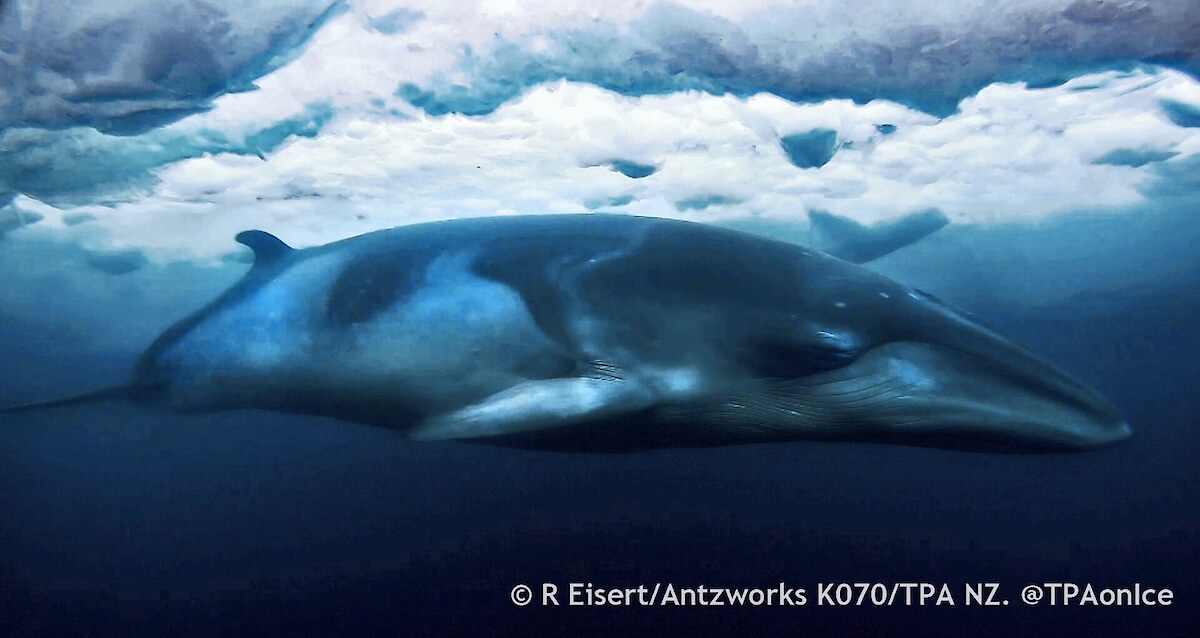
(123, 392)
(538, 405)
(847, 239)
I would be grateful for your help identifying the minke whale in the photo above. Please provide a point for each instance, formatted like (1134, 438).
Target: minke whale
(607, 333)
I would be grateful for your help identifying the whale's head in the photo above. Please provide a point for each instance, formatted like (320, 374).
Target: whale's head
(908, 368)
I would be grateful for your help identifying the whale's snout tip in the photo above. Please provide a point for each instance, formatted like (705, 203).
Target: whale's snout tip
(1085, 418)
(1122, 432)
(1087, 432)
(1111, 432)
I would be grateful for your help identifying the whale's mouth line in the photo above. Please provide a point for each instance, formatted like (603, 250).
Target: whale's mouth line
(1054, 379)
(910, 390)
(1042, 376)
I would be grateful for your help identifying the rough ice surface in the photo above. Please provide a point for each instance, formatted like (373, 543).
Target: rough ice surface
(396, 21)
(701, 202)
(118, 263)
(629, 168)
(928, 55)
(128, 66)
(12, 218)
(608, 202)
(81, 165)
(1182, 113)
(313, 168)
(1134, 157)
(159, 130)
(812, 149)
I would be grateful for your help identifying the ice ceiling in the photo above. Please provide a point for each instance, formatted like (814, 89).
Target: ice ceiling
(159, 129)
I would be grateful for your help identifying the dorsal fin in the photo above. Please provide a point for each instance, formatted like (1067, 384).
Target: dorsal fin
(267, 248)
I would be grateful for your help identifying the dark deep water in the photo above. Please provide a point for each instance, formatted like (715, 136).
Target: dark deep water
(126, 521)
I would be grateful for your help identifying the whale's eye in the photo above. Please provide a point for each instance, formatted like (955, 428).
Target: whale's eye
(782, 358)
